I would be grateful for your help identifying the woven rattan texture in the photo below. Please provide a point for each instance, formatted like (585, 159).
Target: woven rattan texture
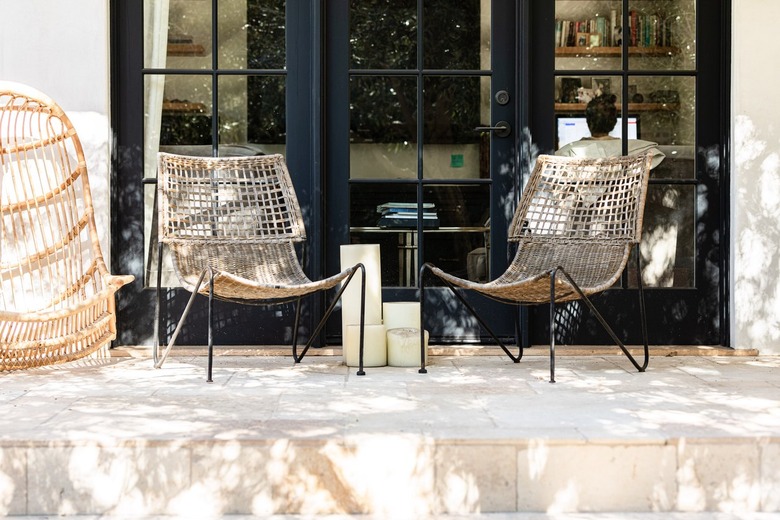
(57, 300)
(580, 214)
(241, 218)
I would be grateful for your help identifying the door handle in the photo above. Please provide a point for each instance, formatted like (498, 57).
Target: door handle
(502, 129)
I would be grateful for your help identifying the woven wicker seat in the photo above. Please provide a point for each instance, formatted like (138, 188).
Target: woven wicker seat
(57, 302)
(231, 224)
(574, 229)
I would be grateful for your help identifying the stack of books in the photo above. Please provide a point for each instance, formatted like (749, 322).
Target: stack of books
(404, 215)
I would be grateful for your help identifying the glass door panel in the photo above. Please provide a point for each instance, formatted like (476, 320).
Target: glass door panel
(419, 141)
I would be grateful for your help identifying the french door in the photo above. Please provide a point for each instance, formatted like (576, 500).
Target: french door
(410, 124)
(421, 138)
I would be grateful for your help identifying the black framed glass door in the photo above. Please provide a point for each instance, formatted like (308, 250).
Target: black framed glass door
(421, 139)
(666, 63)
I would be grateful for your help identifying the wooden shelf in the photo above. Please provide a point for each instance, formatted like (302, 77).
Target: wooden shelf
(614, 52)
(183, 107)
(185, 49)
(632, 107)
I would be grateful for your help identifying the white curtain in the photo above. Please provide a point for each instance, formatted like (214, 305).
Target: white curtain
(155, 55)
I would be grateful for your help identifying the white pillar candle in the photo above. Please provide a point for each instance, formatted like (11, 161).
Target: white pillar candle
(401, 315)
(374, 348)
(368, 255)
(403, 347)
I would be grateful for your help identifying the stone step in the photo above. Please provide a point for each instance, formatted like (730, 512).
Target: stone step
(475, 435)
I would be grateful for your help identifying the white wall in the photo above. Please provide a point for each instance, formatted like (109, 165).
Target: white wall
(755, 191)
(62, 49)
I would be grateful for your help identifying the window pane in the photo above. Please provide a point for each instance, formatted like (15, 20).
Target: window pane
(456, 35)
(668, 118)
(572, 95)
(588, 35)
(662, 34)
(383, 34)
(668, 243)
(383, 127)
(385, 214)
(252, 34)
(461, 243)
(177, 35)
(186, 113)
(454, 107)
(251, 115)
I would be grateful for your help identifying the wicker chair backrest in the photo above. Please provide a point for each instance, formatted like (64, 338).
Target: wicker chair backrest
(578, 199)
(51, 257)
(222, 200)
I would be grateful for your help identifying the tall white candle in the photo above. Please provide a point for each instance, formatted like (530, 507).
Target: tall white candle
(368, 255)
(400, 315)
(403, 347)
(374, 348)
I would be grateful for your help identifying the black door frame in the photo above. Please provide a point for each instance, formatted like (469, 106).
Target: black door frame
(135, 303)
(697, 316)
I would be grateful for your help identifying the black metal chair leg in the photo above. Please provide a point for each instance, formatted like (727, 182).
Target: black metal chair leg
(211, 326)
(182, 319)
(421, 279)
(296, 359)
(361, 350)
(552, 324)
(158, 304)
(600, 318)
(642, 310)
(329, 311)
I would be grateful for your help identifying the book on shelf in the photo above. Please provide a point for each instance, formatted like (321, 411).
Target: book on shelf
(644, 30)
(404, 215)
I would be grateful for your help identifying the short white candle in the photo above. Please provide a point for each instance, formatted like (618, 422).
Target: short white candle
(401, 315)
(403, 347)
(374, 348)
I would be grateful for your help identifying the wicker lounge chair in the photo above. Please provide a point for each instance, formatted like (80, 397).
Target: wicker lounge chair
(574, 228)
(231, 224)
(57, 301)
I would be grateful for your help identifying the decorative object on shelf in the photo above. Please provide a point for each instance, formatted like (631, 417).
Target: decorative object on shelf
(601, 86)
(585, 95)
(569, 88)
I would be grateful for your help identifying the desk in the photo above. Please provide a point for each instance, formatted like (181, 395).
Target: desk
(408, 242)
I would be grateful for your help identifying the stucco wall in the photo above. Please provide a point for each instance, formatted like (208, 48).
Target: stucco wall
(755, 179)
(62, 49)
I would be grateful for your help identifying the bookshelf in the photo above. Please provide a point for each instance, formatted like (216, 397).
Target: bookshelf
(185, 49)
(615, 52)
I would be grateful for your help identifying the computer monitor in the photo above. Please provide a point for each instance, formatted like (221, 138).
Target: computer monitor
(570, 129)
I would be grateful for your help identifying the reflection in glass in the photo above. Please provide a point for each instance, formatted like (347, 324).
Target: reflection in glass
(383, 34)
(186, 112)
(572, 95)
(456, 227)
(456, 35)
(663, 35)
(179, 37)
(371, 220)
(668, 238)
(667, 108)
(383, 127)
(454, 107)
(252, 34)
(251, 115)
(589, 30)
